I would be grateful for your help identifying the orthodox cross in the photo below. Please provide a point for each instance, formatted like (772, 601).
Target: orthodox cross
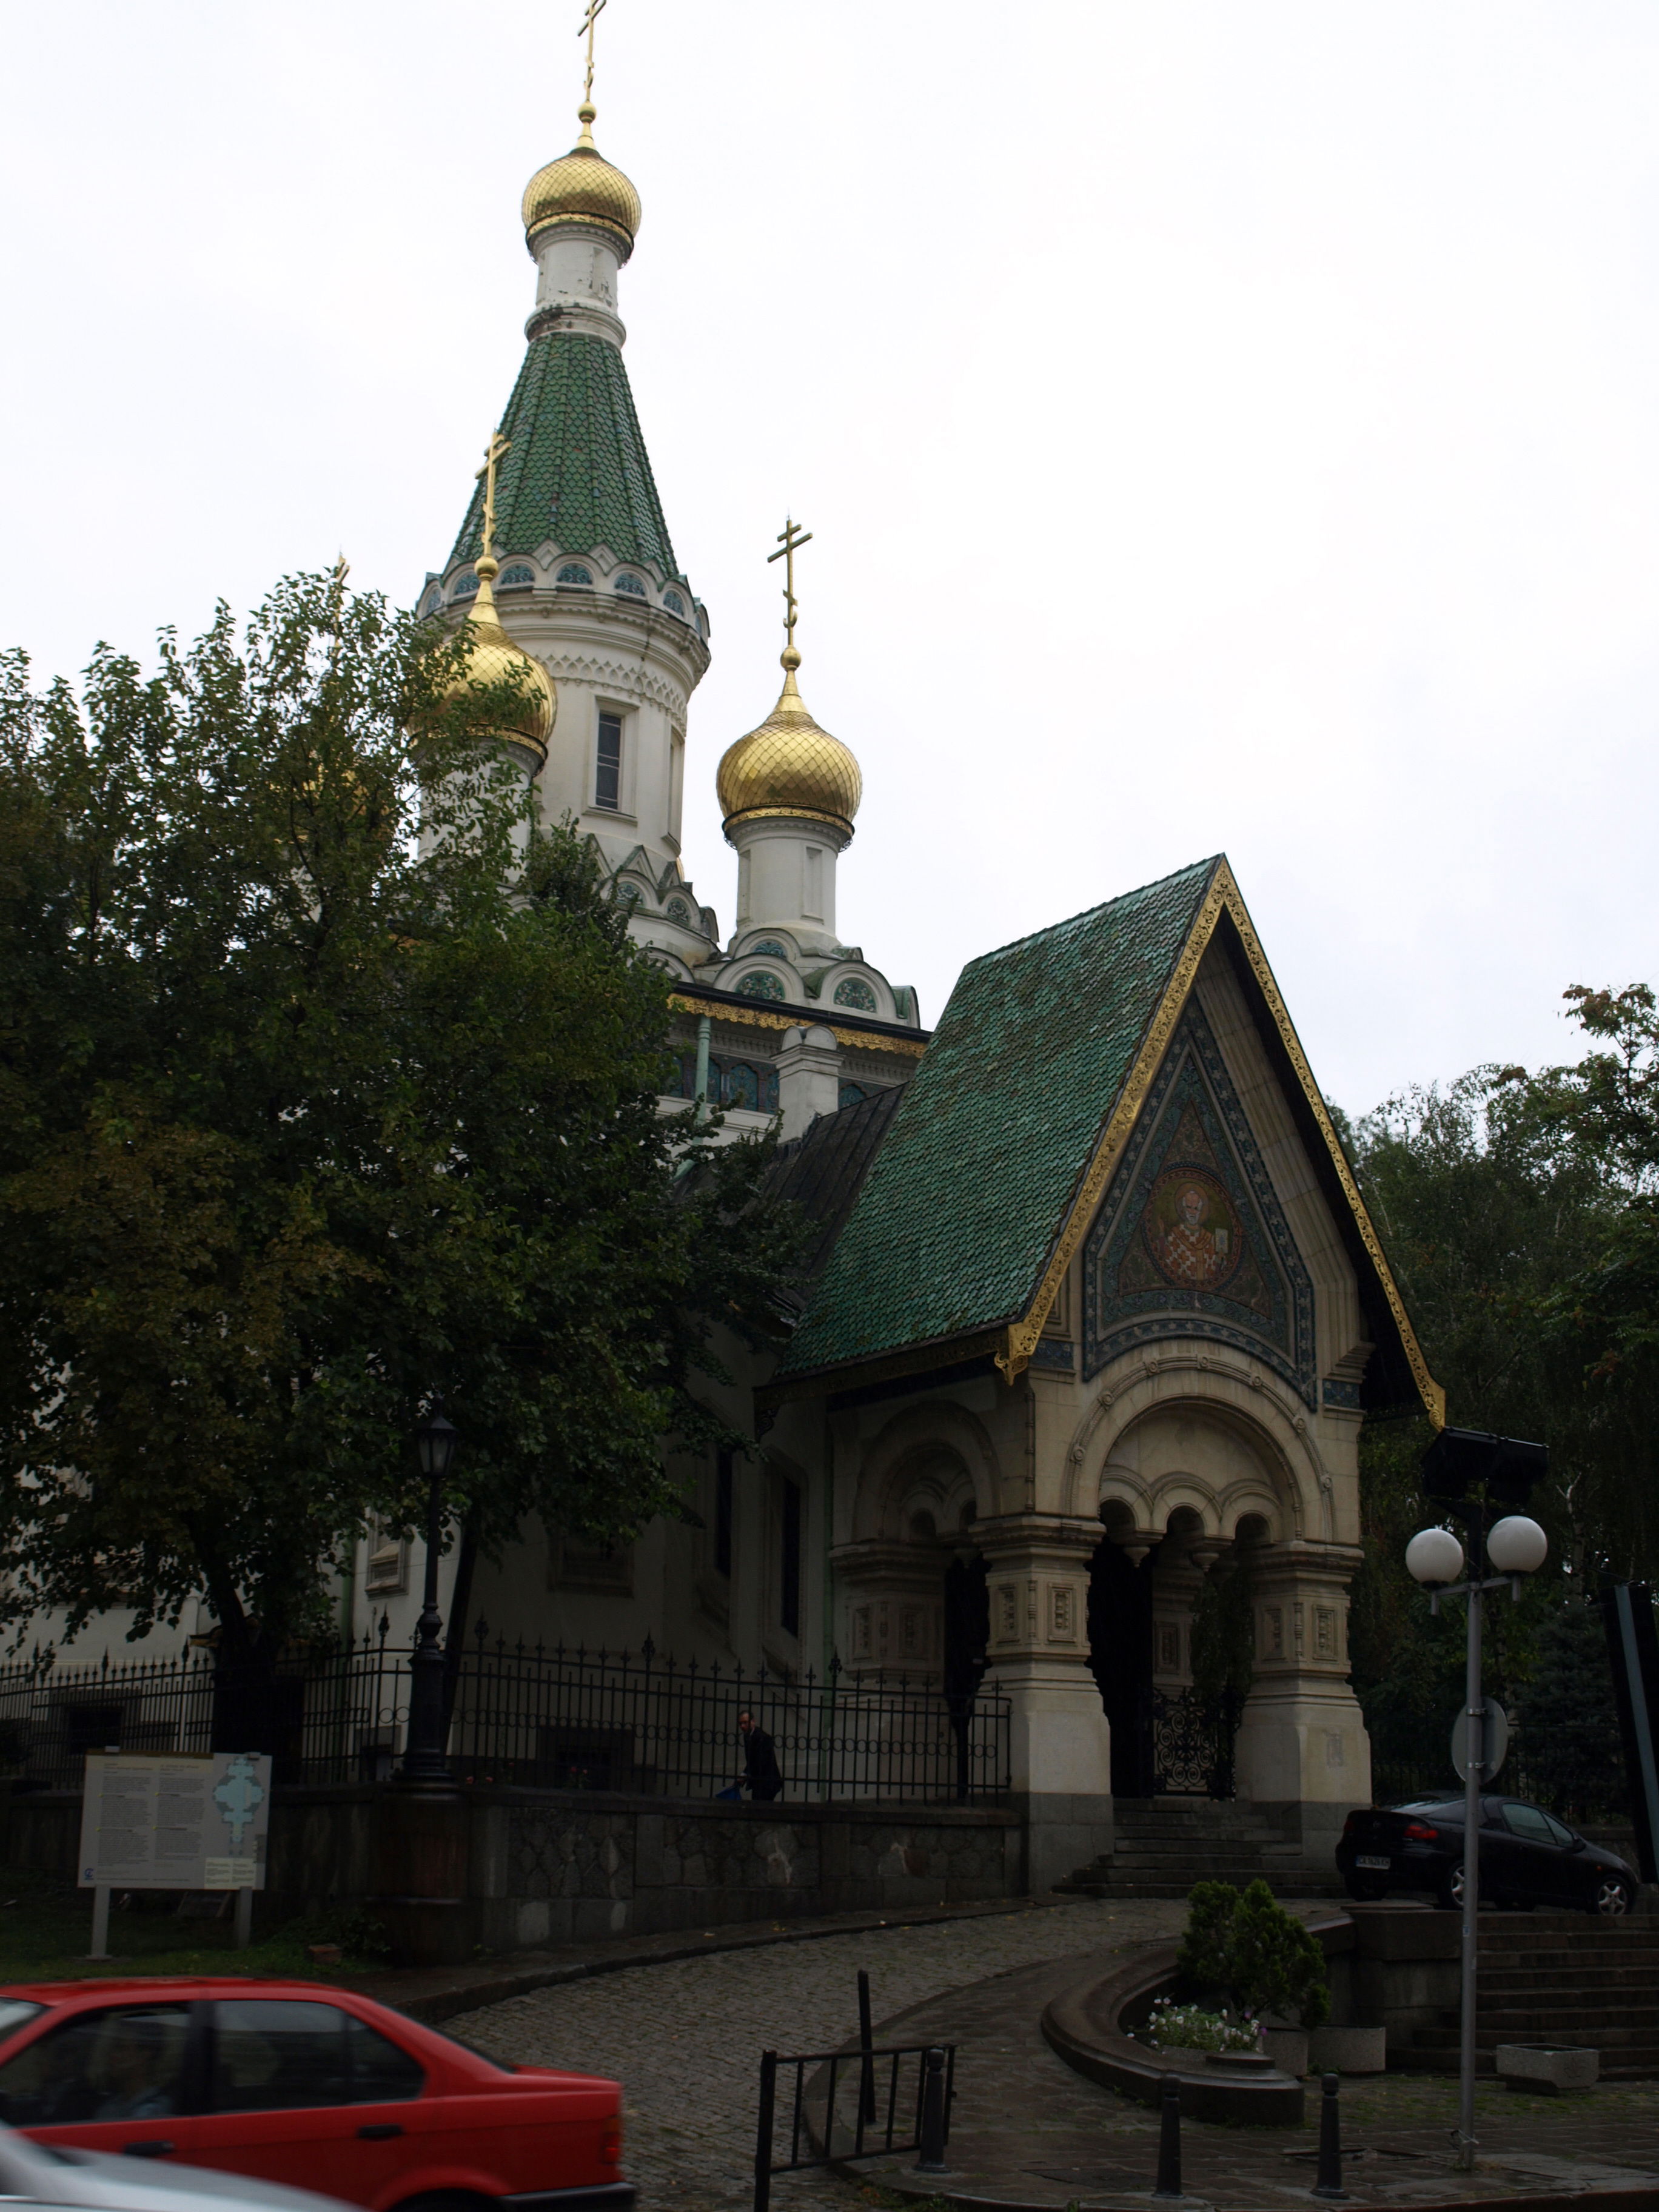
(595, 10)
(494, 451)
(791, 538)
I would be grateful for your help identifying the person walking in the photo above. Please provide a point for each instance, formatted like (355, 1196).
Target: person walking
(763, 1777)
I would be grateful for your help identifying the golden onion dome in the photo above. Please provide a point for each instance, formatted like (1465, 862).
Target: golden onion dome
(582, 186)
(495, 659)
(789, 765)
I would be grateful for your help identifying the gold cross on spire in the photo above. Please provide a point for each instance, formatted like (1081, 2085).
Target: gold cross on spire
(595, 10)
(495, 452)
(791, 538)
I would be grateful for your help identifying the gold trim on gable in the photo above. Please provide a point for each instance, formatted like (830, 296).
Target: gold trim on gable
(1223, 897)
(803, 1017)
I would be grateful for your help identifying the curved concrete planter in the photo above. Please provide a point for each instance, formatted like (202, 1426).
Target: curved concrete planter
(1084, 2026)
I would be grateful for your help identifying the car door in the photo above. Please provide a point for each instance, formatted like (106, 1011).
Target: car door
(110, 2078)
(302, 2092)
(1539, 1856)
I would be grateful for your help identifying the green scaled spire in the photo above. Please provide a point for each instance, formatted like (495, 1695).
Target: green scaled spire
(578, 472)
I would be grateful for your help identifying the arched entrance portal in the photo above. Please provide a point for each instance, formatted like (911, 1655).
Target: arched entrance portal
(1121, 1661)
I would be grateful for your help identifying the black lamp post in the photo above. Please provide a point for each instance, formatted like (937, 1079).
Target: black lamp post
(423, 1751)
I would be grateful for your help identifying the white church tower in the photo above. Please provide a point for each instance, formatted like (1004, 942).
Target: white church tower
(587, 582)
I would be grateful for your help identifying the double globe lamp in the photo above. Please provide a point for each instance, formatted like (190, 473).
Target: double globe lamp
(1515, 1547)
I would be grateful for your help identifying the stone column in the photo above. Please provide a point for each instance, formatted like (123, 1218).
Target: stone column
(809, 1078)
(1037, 1569)
(1303, 1749)
(892, 1597)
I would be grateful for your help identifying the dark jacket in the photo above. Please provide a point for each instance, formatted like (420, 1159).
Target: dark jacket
(763, 1773)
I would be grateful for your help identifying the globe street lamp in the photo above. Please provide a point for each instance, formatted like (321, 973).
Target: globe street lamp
(1515, 1547)
(423, 1750)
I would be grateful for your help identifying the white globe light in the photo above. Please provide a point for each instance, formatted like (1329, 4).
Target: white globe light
(1434, 1555)
(1517, 1546)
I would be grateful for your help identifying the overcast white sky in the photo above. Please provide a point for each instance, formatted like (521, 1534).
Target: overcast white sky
(1225, 423)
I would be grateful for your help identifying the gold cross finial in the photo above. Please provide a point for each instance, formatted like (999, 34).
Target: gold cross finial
(595, 8)
(494, 451)
(791, 538)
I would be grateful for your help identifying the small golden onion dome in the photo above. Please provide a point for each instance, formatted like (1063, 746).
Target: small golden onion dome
(789, 765)
(494, 657)
(582, 186)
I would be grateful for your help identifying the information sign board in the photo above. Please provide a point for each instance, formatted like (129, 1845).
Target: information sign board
(175, 1820)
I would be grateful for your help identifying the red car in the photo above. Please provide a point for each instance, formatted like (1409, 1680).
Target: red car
(312, 2087)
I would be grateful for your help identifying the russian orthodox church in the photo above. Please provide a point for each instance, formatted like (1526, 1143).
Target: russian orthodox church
(1095, 1308)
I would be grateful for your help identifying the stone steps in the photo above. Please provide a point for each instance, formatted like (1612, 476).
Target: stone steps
(1164, 1845)
(1556, 1977)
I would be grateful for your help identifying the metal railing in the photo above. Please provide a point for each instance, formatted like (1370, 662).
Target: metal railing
(521, 1714)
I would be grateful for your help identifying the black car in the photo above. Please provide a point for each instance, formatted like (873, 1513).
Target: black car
(1526, 1856)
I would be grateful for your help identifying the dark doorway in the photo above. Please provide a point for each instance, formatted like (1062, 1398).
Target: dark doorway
(1121, 1661)
(967, 1635)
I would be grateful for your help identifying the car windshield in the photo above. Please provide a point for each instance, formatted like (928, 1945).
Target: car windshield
(14, 2011)
(1446, 1806)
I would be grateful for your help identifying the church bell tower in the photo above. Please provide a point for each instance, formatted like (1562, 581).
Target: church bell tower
(586, 582)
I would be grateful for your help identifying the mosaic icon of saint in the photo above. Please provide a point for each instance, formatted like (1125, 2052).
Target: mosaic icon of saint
(1192, 1234)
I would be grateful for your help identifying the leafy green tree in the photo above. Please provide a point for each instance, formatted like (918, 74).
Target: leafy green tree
(1569, 1723)
(327, 1082)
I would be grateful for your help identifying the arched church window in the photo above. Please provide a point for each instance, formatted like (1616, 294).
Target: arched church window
(769, 947)
(434, 601)
(679, 911)
(515, 577)
(466, 586)
(675, 603)
(757, 984)
(852, 1094)
(631, 585)
(573, 573)
(630, 895)
(854, 991)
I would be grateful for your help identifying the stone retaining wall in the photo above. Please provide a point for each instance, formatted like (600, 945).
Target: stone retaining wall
(511, 1869)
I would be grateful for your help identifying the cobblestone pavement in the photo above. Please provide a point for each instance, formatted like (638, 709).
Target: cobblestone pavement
(685, 2038)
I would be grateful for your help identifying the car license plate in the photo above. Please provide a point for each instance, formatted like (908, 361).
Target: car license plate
(1381, 1865)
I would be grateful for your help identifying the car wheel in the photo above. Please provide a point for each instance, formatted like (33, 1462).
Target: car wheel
(1612, 1897)
(1451, 1889)
(1366, 1893)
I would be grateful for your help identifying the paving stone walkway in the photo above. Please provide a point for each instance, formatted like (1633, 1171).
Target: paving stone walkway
(685, 2038)
(1029, 2132)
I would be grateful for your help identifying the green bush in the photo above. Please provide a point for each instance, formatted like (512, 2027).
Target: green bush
(1262, 1956)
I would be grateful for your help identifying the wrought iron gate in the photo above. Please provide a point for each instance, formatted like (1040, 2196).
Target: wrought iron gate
(1193, 1743)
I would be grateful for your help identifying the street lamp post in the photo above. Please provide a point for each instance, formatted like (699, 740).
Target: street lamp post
(423, 1750)
(1515, 1547)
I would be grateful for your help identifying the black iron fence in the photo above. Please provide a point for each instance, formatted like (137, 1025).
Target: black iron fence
(1575, 1789)
(552, 1719)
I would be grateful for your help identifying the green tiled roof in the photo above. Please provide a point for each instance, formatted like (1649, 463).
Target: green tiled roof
(578, 471)
(957, 1217)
